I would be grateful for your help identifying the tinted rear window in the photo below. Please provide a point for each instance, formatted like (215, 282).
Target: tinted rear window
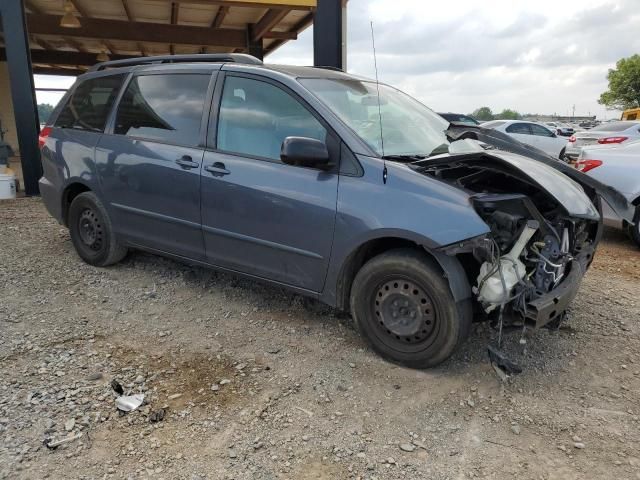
(613, 126)
(522, 128)
(163, 107)
(88, 106)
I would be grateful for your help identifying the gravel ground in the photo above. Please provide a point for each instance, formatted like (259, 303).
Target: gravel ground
(258, 383)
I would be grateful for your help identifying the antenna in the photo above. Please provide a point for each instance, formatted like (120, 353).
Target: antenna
(375, 65)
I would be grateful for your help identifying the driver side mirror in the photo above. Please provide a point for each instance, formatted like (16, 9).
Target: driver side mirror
(305, 152)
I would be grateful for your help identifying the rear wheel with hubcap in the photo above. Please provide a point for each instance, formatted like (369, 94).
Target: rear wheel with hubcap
(92, 233)
(404, 308)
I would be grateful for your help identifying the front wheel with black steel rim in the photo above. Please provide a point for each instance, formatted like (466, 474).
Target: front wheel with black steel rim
(403, 306)
(91, 231)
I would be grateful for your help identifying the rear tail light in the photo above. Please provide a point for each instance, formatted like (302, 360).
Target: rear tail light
(607, 140)
(585, 165)
(572, 138)
(42, 138)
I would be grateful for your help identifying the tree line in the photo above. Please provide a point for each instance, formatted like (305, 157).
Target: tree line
(485, 113)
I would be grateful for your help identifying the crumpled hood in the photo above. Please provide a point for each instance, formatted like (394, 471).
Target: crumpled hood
(523, 161)
(567, 192)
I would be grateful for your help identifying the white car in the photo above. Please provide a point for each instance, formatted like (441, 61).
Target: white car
(608, 133)
(617, 166)
(561, 129)
(531, 133)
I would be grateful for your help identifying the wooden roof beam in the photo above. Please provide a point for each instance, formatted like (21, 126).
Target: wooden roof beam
(138, 31)
(127, 12)
(307, 5)
(57, 57)
(267, 22)
(80, 8)
(31, 7)
(174, 21)
(73, 44)
(220, 16)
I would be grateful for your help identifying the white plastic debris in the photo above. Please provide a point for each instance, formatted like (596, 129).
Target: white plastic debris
(128, 403)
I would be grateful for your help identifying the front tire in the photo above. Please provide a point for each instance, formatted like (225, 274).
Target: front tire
(403, 306)
(562, 156)
(634, 230)
(91, 232)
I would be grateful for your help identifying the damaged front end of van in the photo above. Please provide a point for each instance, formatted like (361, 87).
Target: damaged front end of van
(544, 230)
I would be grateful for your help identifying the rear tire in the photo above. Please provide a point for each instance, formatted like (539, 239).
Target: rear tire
(92, 233)
(634, 230)
(404, 308)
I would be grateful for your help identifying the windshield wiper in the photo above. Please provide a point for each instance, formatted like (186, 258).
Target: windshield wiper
(405, 158)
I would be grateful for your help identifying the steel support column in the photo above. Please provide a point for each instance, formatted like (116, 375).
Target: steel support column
(327, 34)
(254, 47)
(23, 92)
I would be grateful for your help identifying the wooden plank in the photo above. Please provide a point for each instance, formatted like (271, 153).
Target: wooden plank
(138, 31)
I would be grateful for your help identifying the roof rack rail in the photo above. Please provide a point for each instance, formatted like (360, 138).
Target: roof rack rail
(200, 57)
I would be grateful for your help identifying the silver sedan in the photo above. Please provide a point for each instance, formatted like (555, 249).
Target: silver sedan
(618, 166)
(610, 133)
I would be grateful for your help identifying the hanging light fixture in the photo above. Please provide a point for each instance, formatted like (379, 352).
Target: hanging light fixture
(69, 20)
(102, 56)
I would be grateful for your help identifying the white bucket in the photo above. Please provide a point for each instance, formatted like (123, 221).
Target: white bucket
(7, 186)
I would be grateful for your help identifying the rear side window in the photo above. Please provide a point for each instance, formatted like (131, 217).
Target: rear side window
(521, 128)
(163, 107)
(88, 106)
(540, 131)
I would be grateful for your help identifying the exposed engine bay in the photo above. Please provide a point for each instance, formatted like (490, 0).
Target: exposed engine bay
(528, 269)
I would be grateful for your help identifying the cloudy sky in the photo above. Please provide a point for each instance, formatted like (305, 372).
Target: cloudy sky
(539, 56)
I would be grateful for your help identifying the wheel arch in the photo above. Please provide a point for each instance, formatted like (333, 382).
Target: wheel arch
(71, 191)
(450, 266)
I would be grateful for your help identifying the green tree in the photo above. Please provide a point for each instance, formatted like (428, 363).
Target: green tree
(44, 110)
(483, 113)
(508, 114)
(624, 84)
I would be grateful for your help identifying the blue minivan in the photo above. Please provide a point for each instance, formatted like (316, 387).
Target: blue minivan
(331, 185)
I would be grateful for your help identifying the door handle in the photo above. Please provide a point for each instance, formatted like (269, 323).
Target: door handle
(187, 162)
(218, 169)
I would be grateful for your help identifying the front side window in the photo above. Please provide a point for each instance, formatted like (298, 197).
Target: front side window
(255, 118)
(407, 128)
(163, 107)
(88, 106)
(521, 128)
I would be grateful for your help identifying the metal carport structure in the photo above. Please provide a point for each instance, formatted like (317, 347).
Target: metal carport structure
(65, 37)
